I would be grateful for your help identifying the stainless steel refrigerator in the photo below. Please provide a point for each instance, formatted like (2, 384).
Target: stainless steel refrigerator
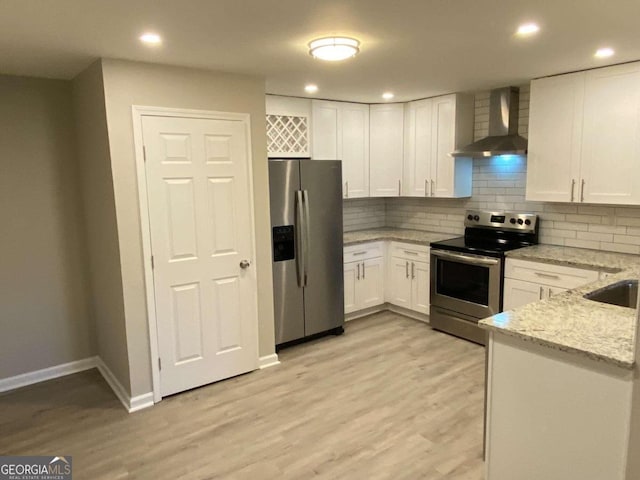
(306, 228)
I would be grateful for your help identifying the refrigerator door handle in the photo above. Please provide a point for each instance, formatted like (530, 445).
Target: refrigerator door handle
(307, 235)
(300, 267)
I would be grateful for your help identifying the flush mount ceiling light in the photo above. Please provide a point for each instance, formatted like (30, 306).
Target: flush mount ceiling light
(388, 95)
(311, 88)
(604, 52)
(527, 29)
(334, 49)
(151, 38)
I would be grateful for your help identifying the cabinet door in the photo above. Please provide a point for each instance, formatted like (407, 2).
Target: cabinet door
(326, 142)
(518, 293)
(386, 150)
(417, 149)
(350, 286)
(611, 136)
(444, 137)
(555, 133)
(420, 287)
(370, 289)
(399, 284)
(355, 150)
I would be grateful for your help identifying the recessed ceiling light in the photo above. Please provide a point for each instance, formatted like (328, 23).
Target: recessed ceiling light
(311, 88)
(334, 49)
(604, 52)
(527, 29)
(151, 38)
(388, 95)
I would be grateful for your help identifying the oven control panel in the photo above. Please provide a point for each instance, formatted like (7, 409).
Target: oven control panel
(526, 222)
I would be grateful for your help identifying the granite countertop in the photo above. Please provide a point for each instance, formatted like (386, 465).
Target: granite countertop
(569, 322)
(418, 237)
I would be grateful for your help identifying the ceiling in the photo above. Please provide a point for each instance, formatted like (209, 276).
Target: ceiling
(414, 48)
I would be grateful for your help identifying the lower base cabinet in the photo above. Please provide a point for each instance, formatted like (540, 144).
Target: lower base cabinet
(403, 280)
(363, 279)
(408, 276)
(527, 282)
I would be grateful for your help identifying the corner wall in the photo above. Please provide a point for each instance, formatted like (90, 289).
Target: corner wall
(132, 83)
(100, 219)
(44, 313)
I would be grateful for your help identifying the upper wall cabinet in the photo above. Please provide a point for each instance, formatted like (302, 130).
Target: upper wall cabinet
(288, 127)
(387, 145)
(584, 137)
(341, 132)
(433, 128)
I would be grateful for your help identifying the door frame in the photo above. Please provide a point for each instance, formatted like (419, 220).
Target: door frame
(137, 112)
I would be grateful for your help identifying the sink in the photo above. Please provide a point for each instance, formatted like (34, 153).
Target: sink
(623, 293)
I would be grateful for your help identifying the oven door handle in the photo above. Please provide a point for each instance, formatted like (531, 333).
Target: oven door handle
(470, 259)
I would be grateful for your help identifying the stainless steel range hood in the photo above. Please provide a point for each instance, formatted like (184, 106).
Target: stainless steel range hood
(503, 136)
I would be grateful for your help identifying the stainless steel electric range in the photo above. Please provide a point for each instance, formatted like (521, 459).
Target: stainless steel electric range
(467, 273)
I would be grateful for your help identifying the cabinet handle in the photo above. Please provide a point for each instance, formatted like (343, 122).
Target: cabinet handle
(359, 253)
(541, 292)
(433, 187)
(363, 270)
(582, 191)
(573, 187)
(547, 275)
(409, 252)
(406, 269)
(413, 270)
(346, 189)
(426, 189)
(358, 277)
(399, 187)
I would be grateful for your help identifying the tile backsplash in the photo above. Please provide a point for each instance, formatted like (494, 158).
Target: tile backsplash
(500, 184)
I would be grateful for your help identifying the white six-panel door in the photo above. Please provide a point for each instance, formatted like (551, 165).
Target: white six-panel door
(200, 214)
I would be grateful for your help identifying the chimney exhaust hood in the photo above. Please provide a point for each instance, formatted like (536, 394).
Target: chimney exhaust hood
(503, 136)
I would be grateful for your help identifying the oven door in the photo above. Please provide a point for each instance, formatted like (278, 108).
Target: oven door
(465, 283)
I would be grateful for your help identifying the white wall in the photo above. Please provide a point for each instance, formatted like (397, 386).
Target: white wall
(131, 83)
(94, 160)
(44, 312)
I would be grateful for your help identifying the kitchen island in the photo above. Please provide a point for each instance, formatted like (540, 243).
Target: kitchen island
(561, 376)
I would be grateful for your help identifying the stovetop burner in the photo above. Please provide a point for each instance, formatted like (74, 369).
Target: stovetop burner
(493, 233)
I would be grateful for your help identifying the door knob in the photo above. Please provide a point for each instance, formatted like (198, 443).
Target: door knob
(245, 264)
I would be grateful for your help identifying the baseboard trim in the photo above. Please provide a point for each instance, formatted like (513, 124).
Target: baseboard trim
(387, 307)
(421, 317)
(268, 361)
(30, 378)
(131, 404)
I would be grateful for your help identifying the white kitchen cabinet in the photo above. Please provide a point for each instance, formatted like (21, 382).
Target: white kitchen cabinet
(526, 282)
(363, 276)
(584, 137)
(555, 133)
(341, 132)
(611, 136)
(408, 277)
(386, 149)
(433, 128)
(288, 126)
(326, 130)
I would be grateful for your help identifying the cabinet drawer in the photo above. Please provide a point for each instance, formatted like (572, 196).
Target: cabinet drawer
(363, 251)
(410, 251)
(551, 275)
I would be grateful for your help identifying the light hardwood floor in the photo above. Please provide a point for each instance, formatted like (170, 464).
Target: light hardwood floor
(390, 399)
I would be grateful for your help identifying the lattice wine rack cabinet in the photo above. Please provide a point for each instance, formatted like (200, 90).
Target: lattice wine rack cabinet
(287, 136)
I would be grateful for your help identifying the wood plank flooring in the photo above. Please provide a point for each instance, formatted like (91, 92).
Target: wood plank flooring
(390, 399)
